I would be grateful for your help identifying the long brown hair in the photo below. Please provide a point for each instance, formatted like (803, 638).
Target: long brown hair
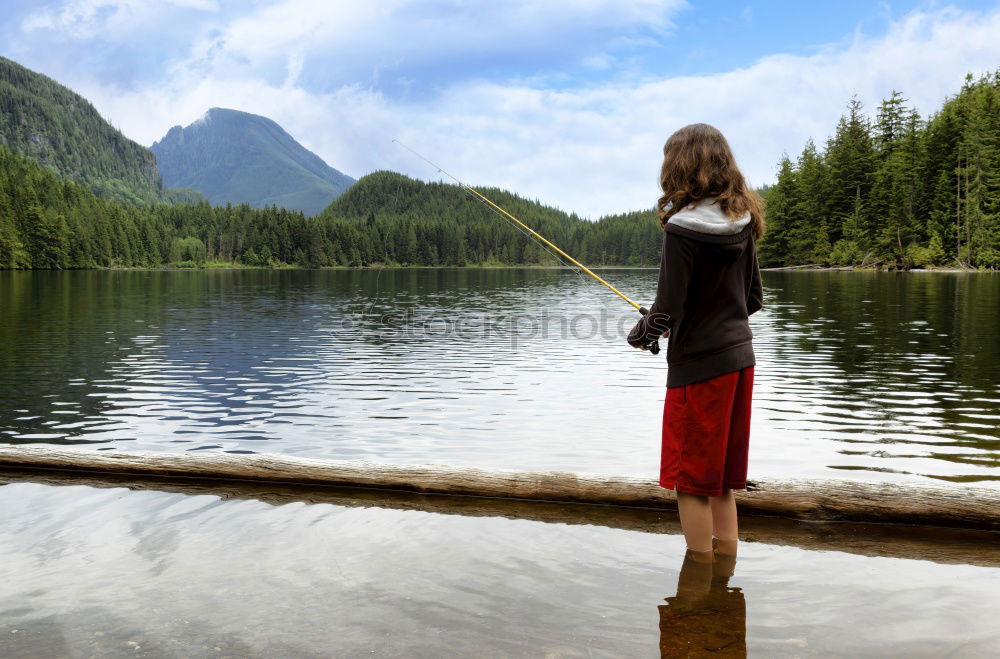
(698, 163)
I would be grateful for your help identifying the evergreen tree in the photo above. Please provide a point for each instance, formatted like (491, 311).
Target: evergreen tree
(850, 156)
(900, 191)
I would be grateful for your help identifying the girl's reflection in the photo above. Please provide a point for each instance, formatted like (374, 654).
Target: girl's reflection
(706, 617)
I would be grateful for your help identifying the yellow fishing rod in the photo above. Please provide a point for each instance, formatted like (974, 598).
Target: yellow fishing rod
(653, 347)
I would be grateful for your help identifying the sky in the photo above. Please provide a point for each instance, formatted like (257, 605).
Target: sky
(564, 101)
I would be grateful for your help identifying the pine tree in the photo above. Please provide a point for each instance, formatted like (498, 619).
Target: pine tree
(850, 156)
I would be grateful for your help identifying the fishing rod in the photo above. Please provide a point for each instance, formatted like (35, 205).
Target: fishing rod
(653, 346)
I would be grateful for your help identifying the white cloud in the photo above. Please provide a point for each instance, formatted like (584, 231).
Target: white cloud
(352, 36)
(600, 61)
(592, 149)
(88, 18)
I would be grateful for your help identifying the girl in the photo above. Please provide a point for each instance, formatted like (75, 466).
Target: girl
(709, 283)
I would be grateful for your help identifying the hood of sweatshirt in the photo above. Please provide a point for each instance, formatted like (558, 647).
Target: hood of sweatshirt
(705, 216)
(723, 239)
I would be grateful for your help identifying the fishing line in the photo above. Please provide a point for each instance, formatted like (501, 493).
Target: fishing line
(530, 232)
(652, 346)
(558, 258)
(494, 208)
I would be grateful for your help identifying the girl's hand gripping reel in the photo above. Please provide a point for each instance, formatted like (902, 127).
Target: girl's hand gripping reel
(652, 346)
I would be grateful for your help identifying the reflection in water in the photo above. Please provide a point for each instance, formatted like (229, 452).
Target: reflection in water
(114, 572)
(706, 618)
(902, 370)
(871, 375)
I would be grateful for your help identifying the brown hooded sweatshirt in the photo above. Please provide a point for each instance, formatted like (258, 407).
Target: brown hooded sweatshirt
(709, 284)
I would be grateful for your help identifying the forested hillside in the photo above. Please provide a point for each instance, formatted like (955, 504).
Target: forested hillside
(236, 157)
(897, 191)
(61, 130)
(47, 222)
(397, 219)
(386, 218)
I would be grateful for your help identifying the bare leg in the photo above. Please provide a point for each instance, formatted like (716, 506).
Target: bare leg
(696, 521)
(724, 524)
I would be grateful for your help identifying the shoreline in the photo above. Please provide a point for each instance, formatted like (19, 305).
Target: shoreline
(791, 268)
(800, 268)
(813, 268)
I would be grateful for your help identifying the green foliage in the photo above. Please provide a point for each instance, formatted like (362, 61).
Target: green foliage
(390, 218)
(931, 255)
(899, 191)
(61, 130)
(845, 252)
(385, 218)
(918, 256)
(187, 249)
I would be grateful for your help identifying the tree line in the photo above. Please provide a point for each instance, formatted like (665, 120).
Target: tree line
(896, 191)
(384, 219)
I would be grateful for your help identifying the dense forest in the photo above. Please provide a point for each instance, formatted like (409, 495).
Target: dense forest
(386, 218)
(47, 222)
(392, 218)
(897, 191)
(61, 130)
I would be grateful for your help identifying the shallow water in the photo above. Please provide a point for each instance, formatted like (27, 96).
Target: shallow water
(860, 375)
(116, 572)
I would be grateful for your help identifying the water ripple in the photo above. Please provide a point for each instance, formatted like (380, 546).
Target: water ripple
(883, 376)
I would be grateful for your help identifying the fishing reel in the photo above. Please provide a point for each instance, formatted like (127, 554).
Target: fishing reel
(652, 346)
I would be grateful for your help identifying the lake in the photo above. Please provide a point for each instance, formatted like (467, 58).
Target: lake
(110, 571)
(877, 376)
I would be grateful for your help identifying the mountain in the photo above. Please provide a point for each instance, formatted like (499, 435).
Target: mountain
(238, 157)
(61, 130)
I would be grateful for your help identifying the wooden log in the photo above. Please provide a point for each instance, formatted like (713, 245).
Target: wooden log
(957, 506)
(938, 545)
(808, 266)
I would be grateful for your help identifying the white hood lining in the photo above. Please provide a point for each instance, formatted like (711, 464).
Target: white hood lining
(705, 216)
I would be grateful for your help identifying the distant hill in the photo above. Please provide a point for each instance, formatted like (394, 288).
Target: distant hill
(61, 130)
(400, 219)
(238, 157)
(388, 193)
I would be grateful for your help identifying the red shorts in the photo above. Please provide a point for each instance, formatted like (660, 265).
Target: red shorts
(706, 435)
